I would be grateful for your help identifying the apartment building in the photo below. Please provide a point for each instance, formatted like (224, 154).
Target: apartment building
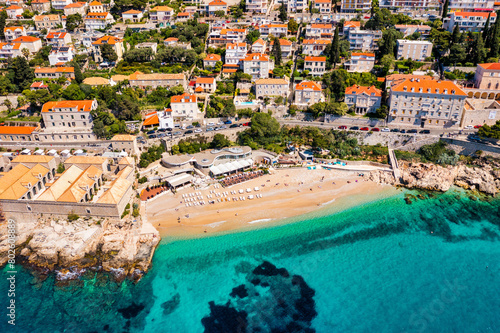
(98, 21)
(161, 14)
(14, 12)
(215, 6)
(41, 6)
(76, 8)
(156, 80)
(487, 76)
(132, 16)
(470, 5)
(96, 7)
(58, 38)
(60, 4)
(277, 30)
(258, 65)
(271, 88)
(364, 40)
(235, 53)
(469, 21)
(47, 21)
(54, 72)
(363, 99)
(116, 42)
(286, 47)
(417, 50)
(210, 60)
(256, 6)
(259, 46)
(307, 93)
(205, 85)
(68, 114)
(295, 6)
(320, 30)
(353, 6)
(174, 42)
(314, 47)
(61, 55)
(350, 25)
(322, 6)
(34, 44)
(360, 62)
(185, 106)
(11, 50)
(12, 33)
(410, 5)
(222, 36)
(410, 29)
(315, 65)
(426, 103)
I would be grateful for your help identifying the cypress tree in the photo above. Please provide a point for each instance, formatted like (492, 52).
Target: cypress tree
(493, 39)
(335, 49)
(478, 53)
(455, 36)
(277, 51)
(486, 29)
(445, 8)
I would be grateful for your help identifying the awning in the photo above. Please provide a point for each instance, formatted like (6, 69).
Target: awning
(179, 180)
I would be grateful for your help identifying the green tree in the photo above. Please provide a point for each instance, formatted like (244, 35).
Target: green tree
(108, 52)
(387, 62)
(19, 73)
(335, 49)
(457, 54)
(264, 128)
(73, 21)
(219, 13)
(283, 14)
(252, 36)
(78, 72)
(445, 9)
(3, 18)
(478, 54)
(293, 26)
(277, 51)
(220, 141)
(387, 44)
(486, 29)
(455, 36)
(494, 38)
(73, 92)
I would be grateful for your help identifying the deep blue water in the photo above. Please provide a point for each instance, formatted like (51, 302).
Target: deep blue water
(384, 266)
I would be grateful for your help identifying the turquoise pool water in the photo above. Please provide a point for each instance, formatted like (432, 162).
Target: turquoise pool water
(384, 266)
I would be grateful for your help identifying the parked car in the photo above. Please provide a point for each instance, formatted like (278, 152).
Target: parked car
(234, 126)
(188, 132)
(177, 126)
(364, 129)
(425, 132)
(412, 131)
(153, 136)
(354, 128)
(403, 131)
(375, 129)
(209, 129)
(385, 129)
(478, 126)
(161, 130)
(161, 135)
(247, 124)
(177, 133)
(395, 130)
(198, 130)
(169, 129)
(190, 127)
(469, 127)
(342, 127)
(139, 138)
(150, 132)
(223, 127)
(211, 124)
(228, 122)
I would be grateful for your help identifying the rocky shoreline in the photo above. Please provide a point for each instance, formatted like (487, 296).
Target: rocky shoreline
(123, 248)
(483, 177)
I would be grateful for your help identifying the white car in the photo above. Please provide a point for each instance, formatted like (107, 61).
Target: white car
(198, 130)
(385, 129)
(211, 124)
(469, 127)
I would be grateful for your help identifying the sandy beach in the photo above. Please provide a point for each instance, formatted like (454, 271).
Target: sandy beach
(285, 193)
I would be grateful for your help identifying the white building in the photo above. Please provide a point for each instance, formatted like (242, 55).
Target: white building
(61, 55)
(34, 44)
(414, 49)
(132, 16)
(286, 47)
(259, 46)
(364, 40)
(314, 47)
(470, 5)
(12, 33)
(60, 4)
(363, 99)
(360, 62)
(307, 93)
(353, 6)
(161, 14)
(469, 21)
(58, 38)
(235, 53)
(98, 21)
(215, 6)
(426, 103)
(277, 30)
(96, 7)
(76, 8)
(256, 6)
(411, 5)
(185, 106)
(320, 30)
(11, 50)
(315, 65)
(165, 119)
(322, 6)
(68, 114)
(257, 65)
(14, 12)
(205, 85)
(211, 60)
(271, 88)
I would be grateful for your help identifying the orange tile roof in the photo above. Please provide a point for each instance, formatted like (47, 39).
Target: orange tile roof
(15, 46)
(184, 98)
(43, 17)
(366, 54)
(308, 58)
(171, 39)
(152, 120)
(8, 130)
(230, 46)
(75, 5)
(271, 81)
(259, 41)
(155, 76)
(205, 80)
(316, 41)
(257, 56)
(162, 9)
(14, 7)
(283, 42)
(26, 39)
(199, 89)
(321, 26)
(40, 1)
(84, 106)
(478, 14)
(357, 90)
(183, 14)
(96, 16)
(13, 28)
(38, 84)
(274, 26)
(107, 40)
(51, 35)
(418, 26)
(217, 3)
(492, 66)
(229, 70)
(308, 85)
(354, 24)
(212, 57)
(132, 11)
(95, 3)
(429, 87)
(322, 1)
(55, 70)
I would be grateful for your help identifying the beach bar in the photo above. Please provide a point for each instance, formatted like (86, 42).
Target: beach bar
(179, 180)
(231, 167)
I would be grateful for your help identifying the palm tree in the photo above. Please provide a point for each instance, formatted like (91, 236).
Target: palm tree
(26, 53)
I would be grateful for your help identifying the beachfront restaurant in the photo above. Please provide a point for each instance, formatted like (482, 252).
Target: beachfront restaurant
(179, 180)
(231, 167)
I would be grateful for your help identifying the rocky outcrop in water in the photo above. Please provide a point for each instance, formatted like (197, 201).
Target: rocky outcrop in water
(482, 177)
(270, 300)
(123, 248)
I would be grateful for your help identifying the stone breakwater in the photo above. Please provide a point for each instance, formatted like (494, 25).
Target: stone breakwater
(482, 177)
(122, 248)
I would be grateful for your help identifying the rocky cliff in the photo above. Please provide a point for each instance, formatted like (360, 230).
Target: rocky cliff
(483, 177)
(124, 248)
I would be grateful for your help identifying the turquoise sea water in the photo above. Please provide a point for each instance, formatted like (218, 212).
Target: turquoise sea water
(384, 266)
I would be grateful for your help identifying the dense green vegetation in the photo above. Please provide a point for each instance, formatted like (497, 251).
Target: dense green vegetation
(436, 153)
(153, 154)
(487, 131)
(200, 143)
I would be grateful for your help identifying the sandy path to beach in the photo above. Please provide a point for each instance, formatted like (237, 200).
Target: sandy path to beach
(286, 193)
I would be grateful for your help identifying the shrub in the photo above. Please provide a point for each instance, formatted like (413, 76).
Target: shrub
(73, 217)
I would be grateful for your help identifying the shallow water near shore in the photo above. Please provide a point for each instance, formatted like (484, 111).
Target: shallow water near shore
(383, 266)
